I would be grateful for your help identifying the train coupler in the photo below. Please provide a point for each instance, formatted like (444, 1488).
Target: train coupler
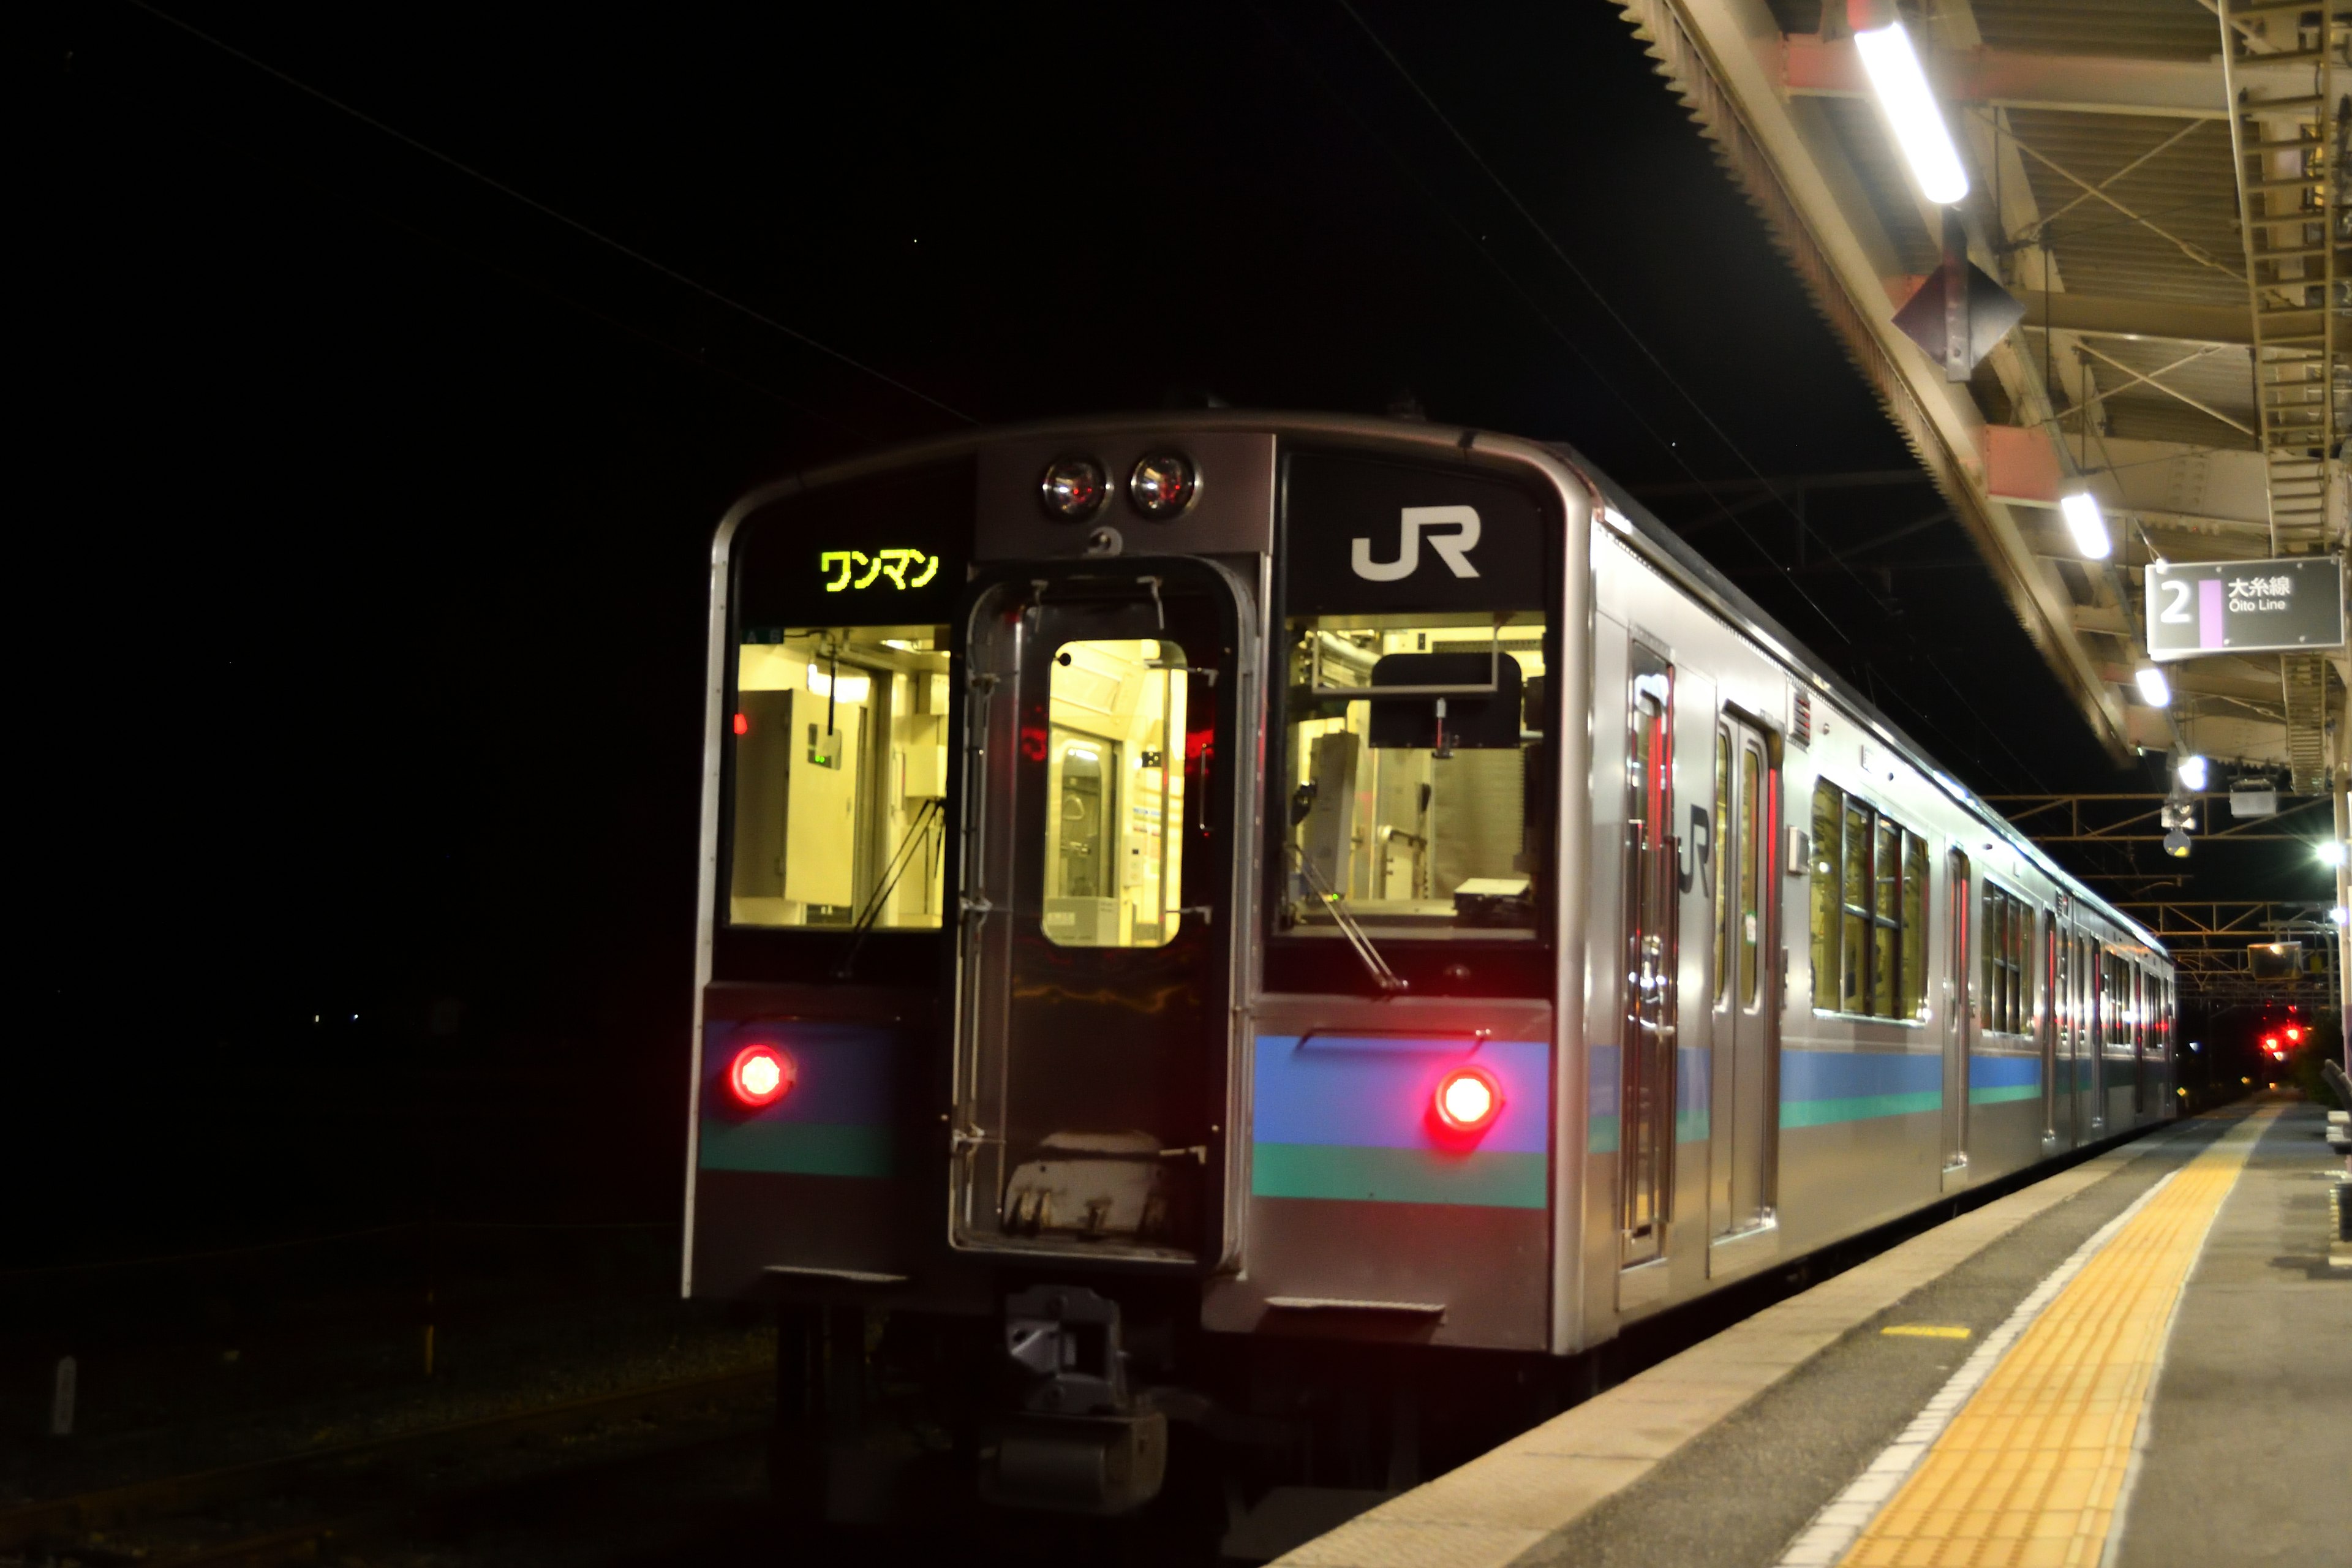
(1079, 1443)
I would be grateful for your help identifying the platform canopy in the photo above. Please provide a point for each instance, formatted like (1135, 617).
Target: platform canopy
(2183, 350)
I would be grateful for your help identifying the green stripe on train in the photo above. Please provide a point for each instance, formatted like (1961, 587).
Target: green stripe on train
(1857, 1108)
(2002, 1093)
(1397, 1176)
(794, 1149)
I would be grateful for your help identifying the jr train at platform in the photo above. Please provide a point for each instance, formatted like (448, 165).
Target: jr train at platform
(1191, 900)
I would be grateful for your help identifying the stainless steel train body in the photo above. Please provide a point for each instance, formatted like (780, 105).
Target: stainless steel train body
(1099, 911)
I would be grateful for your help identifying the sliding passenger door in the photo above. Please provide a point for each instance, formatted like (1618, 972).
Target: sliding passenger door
(1960, 889)
(2047, 1025)
(1747, 1012)
(1645, 1093)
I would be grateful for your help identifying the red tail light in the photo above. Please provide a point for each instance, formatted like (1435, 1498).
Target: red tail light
(1468, 1099)
(760, 1075)
(742, 724)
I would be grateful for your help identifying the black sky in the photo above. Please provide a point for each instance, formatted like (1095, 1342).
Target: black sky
(374, 475)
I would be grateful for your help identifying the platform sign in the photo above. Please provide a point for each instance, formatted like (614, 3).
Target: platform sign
(2289, 605)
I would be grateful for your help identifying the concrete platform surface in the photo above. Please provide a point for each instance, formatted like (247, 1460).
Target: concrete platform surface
(1837, 1426)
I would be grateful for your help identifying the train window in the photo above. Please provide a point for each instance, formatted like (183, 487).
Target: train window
(2004, 998)
(1913, 933)
(2115, 1006)
(1869, 910)
(1415, 809)
(839, 737)
(1113, 875)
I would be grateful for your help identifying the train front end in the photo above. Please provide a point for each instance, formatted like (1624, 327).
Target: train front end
(1137, 925)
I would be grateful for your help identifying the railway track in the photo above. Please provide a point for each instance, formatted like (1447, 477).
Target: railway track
(293, 1507)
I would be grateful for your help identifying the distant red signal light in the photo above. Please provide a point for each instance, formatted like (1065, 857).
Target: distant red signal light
(1468, 1099)
(2293, 1034)
(760, 1075)
(2270, 1042)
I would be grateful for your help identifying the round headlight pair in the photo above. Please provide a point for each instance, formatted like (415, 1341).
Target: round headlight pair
(1160, 486)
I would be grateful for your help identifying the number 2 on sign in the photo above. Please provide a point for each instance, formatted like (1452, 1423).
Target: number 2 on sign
(2176, 612)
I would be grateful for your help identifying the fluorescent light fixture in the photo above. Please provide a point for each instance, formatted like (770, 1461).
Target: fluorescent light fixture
(2337, 914)
(2331, 852)
(2193, 773)
(2087, 525)
(851, 689)
(2154, 689)
(1903, 93)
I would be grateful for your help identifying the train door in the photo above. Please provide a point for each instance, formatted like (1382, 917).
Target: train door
(2139, 1042)
(2098, 1008)
(1959, 1011)
(2048, 1025)
(1646, 1097)
(1100, 870)
(1746, 1014)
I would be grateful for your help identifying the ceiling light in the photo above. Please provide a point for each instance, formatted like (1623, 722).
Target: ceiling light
(2192, 773)
(2330, 851)
(2154, 689)
(1901, 86)
(2087, 525)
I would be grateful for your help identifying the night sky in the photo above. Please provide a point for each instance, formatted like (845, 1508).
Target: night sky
(376, 450)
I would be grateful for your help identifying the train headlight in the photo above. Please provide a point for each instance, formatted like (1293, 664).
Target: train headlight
(1468, 1099)
(760, 1075)
(1162, 485)
(1072, 490)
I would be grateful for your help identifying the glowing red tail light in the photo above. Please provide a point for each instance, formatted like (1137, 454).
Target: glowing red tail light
(760, 1075)
(743, 723)
(1468, 1099)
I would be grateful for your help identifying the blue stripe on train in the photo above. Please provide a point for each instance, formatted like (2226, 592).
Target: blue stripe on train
(1376, 1091)
(835, 1121)
(1819, 1088)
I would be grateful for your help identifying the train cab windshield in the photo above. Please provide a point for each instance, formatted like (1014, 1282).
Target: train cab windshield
(1413, 744)
(840, 739)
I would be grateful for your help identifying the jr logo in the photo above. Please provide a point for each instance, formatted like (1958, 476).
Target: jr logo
(1452, 548)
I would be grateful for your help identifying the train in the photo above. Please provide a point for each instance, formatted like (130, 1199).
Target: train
(1198, 908)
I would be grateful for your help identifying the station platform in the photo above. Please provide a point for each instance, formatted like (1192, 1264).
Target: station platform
(2143, 1360)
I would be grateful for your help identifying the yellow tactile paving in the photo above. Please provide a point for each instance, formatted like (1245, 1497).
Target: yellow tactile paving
(2029, 1472)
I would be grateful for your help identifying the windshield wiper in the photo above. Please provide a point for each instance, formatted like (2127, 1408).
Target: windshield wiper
(1387, 979)
(900, 859)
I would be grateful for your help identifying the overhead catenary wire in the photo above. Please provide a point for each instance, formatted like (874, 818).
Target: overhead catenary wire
(1559, 252)
(553, 214)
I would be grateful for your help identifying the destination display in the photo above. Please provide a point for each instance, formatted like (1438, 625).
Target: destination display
(2245, 606)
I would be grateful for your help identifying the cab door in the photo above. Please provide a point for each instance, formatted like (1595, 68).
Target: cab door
(1742, 1128)
(1102, 912)
(1645, 1094)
